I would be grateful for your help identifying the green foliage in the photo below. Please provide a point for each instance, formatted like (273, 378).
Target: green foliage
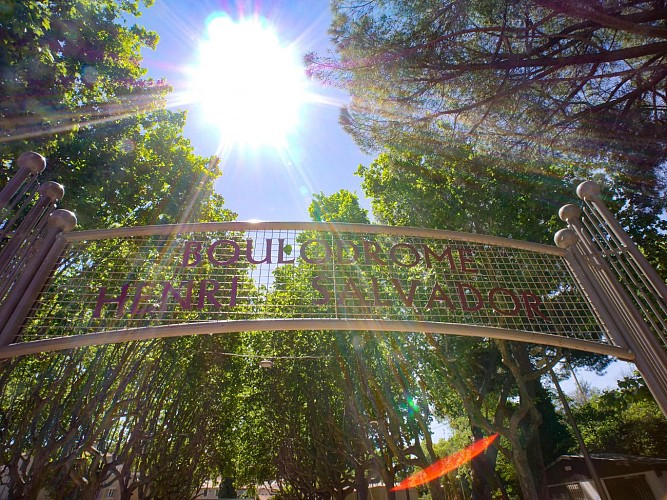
(459, 189)
(626, 420)
(551, 74)
(135, 171)
(71, 89)
(341, 206)
(153, 415)
(555, 437)
(65, 64)
(491, 383)
(552, 82)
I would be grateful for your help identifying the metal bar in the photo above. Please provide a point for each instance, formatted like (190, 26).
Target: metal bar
(602, 307)
(264, 325)
(653, 356)
(580, 440)
(590, 192)
(21, 285)
(50, 192)
(651, 359)
(30, 164)
(30, 283)
(172, 229)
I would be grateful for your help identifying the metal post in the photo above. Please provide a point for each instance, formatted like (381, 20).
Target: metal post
(580, 440)
(567, 240)
(30, 164)
(50, 192)
(616, 309)
(590, 192)
(30, 284)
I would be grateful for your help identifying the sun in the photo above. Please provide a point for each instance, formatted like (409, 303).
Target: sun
(251, 86)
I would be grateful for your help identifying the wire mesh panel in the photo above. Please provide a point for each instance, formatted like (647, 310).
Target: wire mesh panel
(112, 280)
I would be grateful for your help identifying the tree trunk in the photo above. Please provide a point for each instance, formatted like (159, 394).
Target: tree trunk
(531, 424)
(389, 484)
(436, 490)
(361, 482)
(483, 468)
(524, 473)
(482, 483)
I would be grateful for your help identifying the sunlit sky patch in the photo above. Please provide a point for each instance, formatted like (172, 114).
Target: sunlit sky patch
(250, 85)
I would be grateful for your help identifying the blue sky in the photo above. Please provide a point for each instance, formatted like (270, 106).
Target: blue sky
(262, 183)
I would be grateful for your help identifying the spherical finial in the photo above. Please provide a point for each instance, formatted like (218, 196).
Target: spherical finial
(565, 238)
(569, 212)
(52, 190)
(63, 220)
(34, 162)
(588, 190)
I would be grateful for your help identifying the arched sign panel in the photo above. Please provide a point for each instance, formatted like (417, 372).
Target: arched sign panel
(159, 281)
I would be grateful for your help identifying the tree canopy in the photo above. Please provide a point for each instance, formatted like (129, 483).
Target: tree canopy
(625, 420)
(556, 84)
(72, 89)
(68, 64)
(341, 206)
(510, 73)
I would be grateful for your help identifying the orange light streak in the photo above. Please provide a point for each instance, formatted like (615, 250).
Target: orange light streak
(447, 464)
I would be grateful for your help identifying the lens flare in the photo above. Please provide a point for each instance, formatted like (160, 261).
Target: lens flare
(447, 464)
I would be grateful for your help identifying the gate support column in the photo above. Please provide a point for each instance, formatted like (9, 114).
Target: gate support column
(30, 284)
(25, 234)
(617, 311)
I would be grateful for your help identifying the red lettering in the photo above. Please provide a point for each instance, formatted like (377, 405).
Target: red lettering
(409, 299)
(120, 300)
(192, 249)
(326, 296)
(371, 251)
(462, 287)
(533, 304)
(465, 258)
(515, 300)
(340, 252)
(138, 298)
(314, 260)
(281, 252)
(168, 289)
(214, 260)
(378, 302)
(351, 288)
(447, 252)
(234, 291)
(267, 252)
(411, 249)
(438, 295)
(205, 293)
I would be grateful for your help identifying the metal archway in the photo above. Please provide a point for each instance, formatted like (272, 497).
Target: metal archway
(61, 289)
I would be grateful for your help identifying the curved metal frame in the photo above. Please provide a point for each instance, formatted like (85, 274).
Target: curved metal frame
(313, 324)
(338, 227)
(264, 325)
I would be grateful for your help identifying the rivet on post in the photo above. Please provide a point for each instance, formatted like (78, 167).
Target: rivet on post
(29, 164)
(63, 220)
(31, 161)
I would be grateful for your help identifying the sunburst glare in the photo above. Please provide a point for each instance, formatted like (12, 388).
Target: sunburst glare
(250, 85)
